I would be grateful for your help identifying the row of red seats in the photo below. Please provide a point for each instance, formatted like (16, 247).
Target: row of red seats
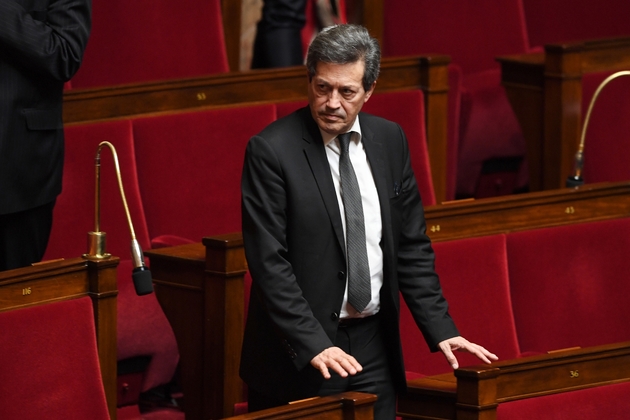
(531, 292)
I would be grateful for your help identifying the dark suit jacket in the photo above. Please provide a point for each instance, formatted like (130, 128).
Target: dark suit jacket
(41, 47)
(294, 246)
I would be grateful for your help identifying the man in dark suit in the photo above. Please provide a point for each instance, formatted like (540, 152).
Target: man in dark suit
(303, 335)
(41, 47)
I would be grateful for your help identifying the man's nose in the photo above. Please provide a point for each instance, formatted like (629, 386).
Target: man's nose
(334, 99)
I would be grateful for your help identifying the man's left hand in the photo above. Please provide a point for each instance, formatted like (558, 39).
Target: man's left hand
(461, 344)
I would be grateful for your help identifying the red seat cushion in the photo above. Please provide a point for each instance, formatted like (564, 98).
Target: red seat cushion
(608, 402)
(488, 130)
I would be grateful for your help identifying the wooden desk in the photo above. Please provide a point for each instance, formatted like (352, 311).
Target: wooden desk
(545, 90)
(200, 288)
(71, 279)
(588, 203)
(345, 406)
(475, 392)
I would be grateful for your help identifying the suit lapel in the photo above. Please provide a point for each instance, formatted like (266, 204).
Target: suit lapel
(318, 162)
(376, 156)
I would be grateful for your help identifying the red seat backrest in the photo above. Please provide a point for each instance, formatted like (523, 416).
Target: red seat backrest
(143, 40)
(49, 363)
(567, 21)
(189, 168)
(474, 277)
(568, 285)
(473, 33)
(407, 109)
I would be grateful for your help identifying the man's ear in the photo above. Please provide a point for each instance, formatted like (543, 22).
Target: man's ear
(368, 94)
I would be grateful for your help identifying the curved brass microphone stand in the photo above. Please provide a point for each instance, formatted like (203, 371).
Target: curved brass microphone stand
(576, 180)
(97, 239)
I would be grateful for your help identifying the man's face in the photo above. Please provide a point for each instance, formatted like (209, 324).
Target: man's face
(336, 95)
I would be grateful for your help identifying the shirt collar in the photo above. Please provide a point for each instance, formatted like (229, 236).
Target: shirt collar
(356, 127)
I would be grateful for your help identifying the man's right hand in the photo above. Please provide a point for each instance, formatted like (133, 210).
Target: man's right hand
(337, 360)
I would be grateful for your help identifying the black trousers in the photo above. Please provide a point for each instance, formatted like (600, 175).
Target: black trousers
(24, 236)
(364, 341)
(278, 40)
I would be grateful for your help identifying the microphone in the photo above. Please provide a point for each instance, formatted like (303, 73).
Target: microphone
(141, 275)
(576, 179)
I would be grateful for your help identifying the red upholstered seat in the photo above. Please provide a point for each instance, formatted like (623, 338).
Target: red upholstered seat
(143, 329)
(474, 277)
(568, 285)
(608, 402)
(567, 21)
(189, 169)
(49, 363)
(407, 109)
(285, 108)
(143, 40)
(607, 141)
(473, 34)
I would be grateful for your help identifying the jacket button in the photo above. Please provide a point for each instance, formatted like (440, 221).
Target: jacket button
(341, 275)
(334, 316)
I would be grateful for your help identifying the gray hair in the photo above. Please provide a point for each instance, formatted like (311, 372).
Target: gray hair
(344, 44)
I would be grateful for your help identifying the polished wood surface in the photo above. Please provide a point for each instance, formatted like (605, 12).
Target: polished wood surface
(70, 279)
(468, 218)
(475, 392)
(200, 288)
(545, 90)
(428, 73)
(345, 406)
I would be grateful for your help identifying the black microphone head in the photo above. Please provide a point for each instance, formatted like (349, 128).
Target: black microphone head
(574, 181)
(142, 280)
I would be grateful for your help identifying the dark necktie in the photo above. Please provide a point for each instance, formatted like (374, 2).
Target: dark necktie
(359, 288)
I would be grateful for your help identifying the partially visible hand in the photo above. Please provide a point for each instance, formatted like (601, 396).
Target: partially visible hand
(337, 360)
(461, 344)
